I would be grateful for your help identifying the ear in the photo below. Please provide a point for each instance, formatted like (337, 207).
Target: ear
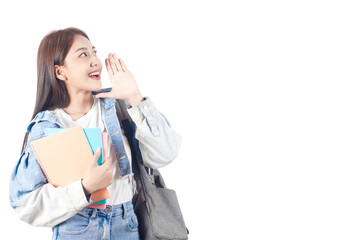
(60, 73)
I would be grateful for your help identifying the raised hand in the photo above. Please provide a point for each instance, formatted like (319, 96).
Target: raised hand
(123, 82)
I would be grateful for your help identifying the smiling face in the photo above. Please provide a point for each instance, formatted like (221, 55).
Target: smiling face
(82, 68)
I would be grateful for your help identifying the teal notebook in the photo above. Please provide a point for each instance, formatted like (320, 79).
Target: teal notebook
(94, 138)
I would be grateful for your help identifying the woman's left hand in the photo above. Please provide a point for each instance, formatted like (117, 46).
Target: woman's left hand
(123, 82)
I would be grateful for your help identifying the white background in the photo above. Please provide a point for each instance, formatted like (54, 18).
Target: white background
(264, 93)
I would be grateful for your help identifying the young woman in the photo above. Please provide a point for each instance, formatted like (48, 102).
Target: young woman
(69, 72)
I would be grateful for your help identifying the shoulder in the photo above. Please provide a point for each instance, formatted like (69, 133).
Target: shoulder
(40, 122)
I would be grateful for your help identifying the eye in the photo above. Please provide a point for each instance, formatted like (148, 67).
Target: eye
(83, 53)
(95, 52)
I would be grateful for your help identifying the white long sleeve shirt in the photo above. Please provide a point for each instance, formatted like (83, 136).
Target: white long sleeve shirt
(49, 206)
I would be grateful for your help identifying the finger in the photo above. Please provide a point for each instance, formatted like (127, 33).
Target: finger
(123, 65)
(118, 65)
(108, 161)
(113, 64)
(108, 67)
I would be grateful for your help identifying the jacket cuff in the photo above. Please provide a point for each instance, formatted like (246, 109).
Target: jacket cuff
(141, 111)
(77, 196)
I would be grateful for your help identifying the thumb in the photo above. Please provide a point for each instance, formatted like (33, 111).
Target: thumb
(104, 95)
(96, 156)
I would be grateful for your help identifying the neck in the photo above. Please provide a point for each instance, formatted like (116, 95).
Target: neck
(80, 102)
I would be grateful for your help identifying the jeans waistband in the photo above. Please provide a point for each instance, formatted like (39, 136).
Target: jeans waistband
(113, 210)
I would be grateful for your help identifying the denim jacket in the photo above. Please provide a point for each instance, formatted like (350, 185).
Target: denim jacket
(38, 203)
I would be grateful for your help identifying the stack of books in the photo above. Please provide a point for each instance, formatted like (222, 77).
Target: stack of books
(64, 155)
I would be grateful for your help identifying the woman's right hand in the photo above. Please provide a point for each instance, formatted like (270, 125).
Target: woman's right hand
(97, 176)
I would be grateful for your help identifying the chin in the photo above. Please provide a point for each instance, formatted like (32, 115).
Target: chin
(97, 87)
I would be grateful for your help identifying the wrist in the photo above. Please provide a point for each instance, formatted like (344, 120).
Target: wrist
(135, 99)
(86, 190)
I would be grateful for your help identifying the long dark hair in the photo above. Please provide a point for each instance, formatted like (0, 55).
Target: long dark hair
(51, 92)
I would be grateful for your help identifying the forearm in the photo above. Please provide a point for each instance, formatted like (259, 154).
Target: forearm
(36, 201)
(158, 142)
(48, 206)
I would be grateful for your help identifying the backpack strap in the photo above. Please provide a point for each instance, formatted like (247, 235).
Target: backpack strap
(128, 125)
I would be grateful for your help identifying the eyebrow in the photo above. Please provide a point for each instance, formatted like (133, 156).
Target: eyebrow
(83, 48)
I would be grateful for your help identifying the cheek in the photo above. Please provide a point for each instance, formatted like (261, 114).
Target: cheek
(100, 66)
(80, 73)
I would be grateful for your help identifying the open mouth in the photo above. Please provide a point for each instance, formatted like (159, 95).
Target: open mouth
(95, 75)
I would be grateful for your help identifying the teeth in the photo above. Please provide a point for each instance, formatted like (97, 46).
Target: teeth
(93, 74)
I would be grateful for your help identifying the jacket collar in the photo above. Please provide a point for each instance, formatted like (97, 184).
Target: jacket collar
(105, 103)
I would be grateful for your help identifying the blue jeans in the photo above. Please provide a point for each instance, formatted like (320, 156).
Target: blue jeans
(114, 222)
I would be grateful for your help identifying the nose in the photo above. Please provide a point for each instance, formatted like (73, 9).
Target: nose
(95, 61)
